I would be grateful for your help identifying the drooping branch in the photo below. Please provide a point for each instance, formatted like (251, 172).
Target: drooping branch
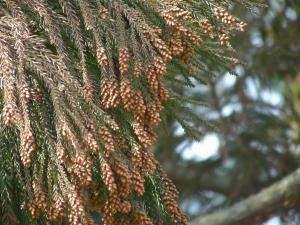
(282, 193)
(84, 89)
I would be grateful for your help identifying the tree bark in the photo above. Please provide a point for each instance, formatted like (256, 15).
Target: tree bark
(283, 193)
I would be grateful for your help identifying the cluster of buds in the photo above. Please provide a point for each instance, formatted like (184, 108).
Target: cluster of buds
(34, 211)
(160, 66)
(57, 210)
(138, 183)
(87, 92)
(83, 168)
(27, 148)
(114, 202)
(111, 123)
(107, 215)
(149, 165)
(170, 19)
(152, 79)
(141, 217)
(180, 13)
(124, 207)
(173, 209)
(157, 42)
(228, 19)
(175, 43)
(136, 157)
(169, 198)
(36, 93)
(101, 56)
(241, 26)
(39, 196)
(108, 177)
(163, 93)
(153, 113)
(224, 16)
(127, 95)
(151, 133)
(139, 107)
(120, 141)
(124, 177)
(157, 30)
(138, 69)
(108, 140)
(187, 51)
(192, 36)
(91, 141)
(223, 36)
(172, 22)
(169, 186)
(162, 48)
(25, 93)
(137, 160)
(143, 135)
(205, 26)
(59, 204)
(133, 101)
(9, 112)
(123, 60)
(77, 207)
(110, 93)
(113, 205)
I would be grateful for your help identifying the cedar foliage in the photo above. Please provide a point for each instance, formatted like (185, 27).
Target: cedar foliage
(83, 84)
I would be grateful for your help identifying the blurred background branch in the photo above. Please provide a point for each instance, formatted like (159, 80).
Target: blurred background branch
(284, 193)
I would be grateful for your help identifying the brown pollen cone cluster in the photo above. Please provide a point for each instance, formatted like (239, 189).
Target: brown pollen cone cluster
(123, 60)
(83, 168)
(110, 93)
(99, 80)
(76, 202)
(27, 148)
(101, 56)
(9, 115)
(56, 210)
(88, 92)
(206, 26)
(227, 21)
(25, 93)
(36, 93)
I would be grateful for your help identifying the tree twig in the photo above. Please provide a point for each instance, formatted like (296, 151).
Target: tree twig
(282, 193)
